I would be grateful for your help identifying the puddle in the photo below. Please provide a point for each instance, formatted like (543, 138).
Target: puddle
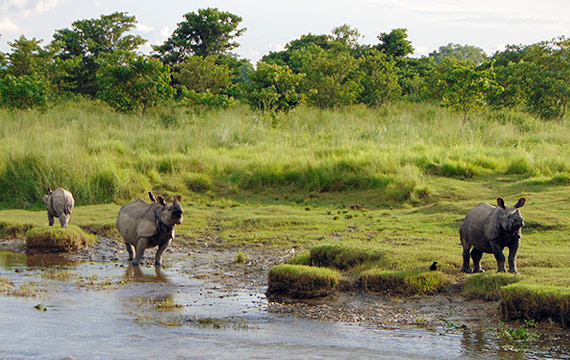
(108, 310)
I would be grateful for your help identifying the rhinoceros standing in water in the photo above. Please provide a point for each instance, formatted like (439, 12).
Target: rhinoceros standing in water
(59, 204)
(490, 229)
(145, 225)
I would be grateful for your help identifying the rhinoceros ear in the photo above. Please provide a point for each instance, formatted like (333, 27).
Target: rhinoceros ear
(501, 202)
(49, 191)
(151, 196)
(520, 203)
(161, 200)
(178, 198)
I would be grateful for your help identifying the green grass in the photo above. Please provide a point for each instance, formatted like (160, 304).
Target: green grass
(536, 302)
(301, 281)
(487, 286)
(411, 282)
(384, 188)
(57, 239)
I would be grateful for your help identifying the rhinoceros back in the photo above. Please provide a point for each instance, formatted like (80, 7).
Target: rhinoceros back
(60, 202)
(479, 226)
(137, 219)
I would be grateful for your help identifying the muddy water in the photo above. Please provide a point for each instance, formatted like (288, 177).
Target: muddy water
(102, 310)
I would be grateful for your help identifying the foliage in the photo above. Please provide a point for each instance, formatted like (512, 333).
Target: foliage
(333, 78)
(460, 52)
(88, 40)
(132, 84)
(202, 74)
(207, 32)
(380, 80)
(24, 92)
(273, 88)
(463, 86)
(409, 282)
(395, 43)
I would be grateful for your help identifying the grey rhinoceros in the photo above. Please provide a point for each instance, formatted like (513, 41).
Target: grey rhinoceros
(490, 229)
(59, 204)
(145, 225)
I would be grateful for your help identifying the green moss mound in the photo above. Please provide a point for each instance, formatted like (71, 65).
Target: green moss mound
(536, 302)
(56, 239)
(301, 282)
(342, 256)
(412, 282)
(487, 286)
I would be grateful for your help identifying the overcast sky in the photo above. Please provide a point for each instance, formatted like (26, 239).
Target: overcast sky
(488, 24)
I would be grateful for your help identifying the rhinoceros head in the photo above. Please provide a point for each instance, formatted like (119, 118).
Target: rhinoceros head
(46, 197)
(511, 219)
(172, 213)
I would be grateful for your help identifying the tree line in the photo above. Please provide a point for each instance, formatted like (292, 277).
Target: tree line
(195, 67)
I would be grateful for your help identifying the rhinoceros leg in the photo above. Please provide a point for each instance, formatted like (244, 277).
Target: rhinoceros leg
(63, 220)
(50, 219)
(513, 250)
(141, 246)
(498, 252)
(465, 268)
(161, 248)
(477, 255)
(130, 251)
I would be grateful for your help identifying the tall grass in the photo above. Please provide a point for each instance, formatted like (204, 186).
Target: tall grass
(106, 157)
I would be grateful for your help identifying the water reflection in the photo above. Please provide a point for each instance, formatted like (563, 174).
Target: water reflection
(13, 260)
(136, 274)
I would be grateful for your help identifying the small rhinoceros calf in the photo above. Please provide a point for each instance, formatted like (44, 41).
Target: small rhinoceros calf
(145, 225)
(490, 229)
(59, 204)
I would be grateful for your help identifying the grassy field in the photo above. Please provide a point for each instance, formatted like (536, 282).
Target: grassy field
(398, 179)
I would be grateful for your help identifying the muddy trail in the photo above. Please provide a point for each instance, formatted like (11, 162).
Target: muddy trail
(204, 304)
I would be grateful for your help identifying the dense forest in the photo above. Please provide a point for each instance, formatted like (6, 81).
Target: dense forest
(195, 68)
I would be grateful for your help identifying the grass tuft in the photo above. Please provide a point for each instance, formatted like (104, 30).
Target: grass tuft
(411, 282)
(56, 239)
(487, 286)
(300, 281)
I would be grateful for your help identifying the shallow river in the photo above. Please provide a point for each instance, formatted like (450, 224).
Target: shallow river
(104, 311)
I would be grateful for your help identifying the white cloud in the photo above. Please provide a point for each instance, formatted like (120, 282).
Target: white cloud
(7, 26)
(43, 6)
(144, 28)
(164, 33)
(275, 47)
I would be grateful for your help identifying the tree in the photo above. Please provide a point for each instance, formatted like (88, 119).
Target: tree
(395, 43)
(23, 92)
(88, 40)
(203, 83)
(208, 32)
(463, 86)
(274, 88)
(380, 80)
(460, 52)
(133, 83)
(333, 77)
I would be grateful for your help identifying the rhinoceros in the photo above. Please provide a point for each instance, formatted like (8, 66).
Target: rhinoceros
(59, 204)
(490, 229)
(143, 225)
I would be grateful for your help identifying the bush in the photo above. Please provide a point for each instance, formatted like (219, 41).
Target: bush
(55, 239)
